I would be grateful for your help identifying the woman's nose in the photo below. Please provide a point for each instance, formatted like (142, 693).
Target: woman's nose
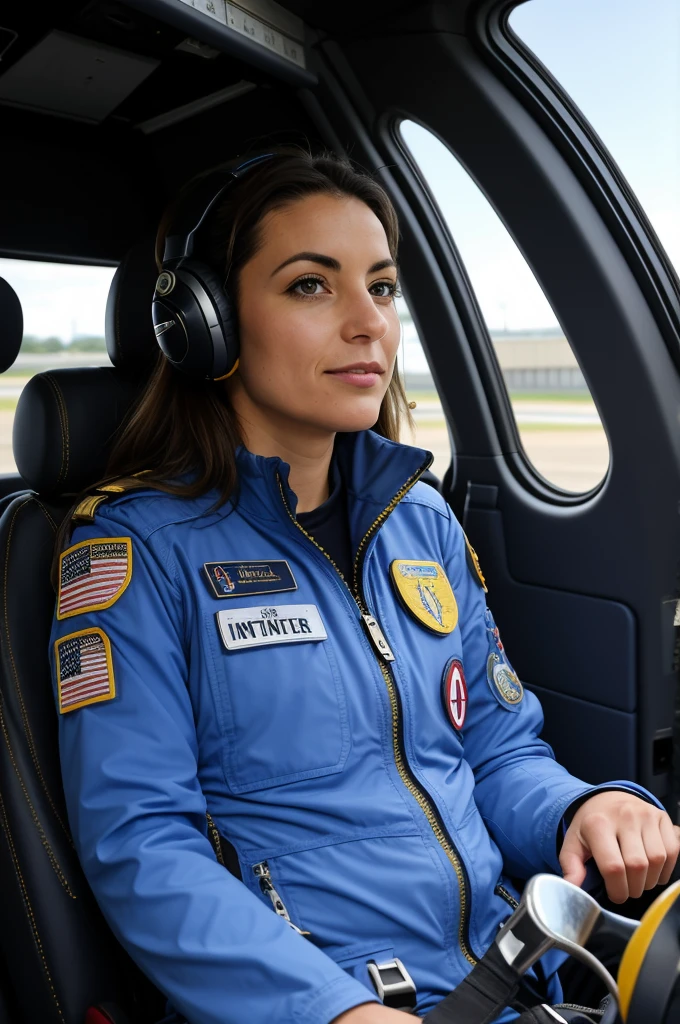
(364, 321)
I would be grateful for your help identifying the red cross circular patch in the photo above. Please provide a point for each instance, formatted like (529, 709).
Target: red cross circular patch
(454, 693)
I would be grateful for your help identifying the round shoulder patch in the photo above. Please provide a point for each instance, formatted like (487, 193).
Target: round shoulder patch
(455, 693)
(503, 678)
(503, 681)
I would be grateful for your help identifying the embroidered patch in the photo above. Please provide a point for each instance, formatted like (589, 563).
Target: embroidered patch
(258, 626)
(473, 565)
(501, 676)
(84, 669)
(426, 593)
(246, 579)
(455, 693)
(93, 574)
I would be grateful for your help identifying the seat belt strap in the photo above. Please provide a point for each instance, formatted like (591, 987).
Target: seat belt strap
(489, 987)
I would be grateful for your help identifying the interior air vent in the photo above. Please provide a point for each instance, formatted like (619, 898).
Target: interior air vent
(73, 77)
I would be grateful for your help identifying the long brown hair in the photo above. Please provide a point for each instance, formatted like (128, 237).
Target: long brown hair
(183, 427)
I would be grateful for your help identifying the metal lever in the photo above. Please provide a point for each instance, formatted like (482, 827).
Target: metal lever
(555, 913)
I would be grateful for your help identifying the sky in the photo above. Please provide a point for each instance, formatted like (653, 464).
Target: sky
(619, 60)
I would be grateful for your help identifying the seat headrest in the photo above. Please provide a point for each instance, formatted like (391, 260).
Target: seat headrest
(65, 424)
(11, 325)
(130, 339)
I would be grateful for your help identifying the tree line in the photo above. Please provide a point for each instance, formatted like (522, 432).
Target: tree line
(41, 345)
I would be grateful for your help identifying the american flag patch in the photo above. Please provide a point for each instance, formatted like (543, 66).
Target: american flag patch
(84, 669)
(93, 575)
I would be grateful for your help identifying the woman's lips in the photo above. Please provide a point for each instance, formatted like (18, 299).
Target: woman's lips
(361, 376)
(359, 380)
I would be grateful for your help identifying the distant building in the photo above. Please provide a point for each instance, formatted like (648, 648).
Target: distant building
(529, 360)
(537, 361)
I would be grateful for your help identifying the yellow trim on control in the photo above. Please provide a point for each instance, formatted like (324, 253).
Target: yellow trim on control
(100, 606)
(638, 946)
(109, 666)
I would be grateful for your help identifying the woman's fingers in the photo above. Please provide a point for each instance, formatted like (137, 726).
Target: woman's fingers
(670, 835)
(656, 852)
(599, 835)
(634, 844)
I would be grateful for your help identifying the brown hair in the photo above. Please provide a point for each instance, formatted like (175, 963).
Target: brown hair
(186, 427)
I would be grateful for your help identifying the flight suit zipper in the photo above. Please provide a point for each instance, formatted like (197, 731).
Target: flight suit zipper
(384, 656)
(263, 874)
(501, 891)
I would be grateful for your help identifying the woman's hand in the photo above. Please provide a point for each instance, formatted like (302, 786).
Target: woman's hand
(633, 843)
(373, 1013)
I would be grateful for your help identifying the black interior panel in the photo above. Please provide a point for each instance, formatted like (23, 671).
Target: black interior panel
(595, 743)
(576, 644)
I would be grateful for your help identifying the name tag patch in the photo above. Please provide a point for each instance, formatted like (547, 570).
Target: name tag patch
(258, 626)
(245, 579)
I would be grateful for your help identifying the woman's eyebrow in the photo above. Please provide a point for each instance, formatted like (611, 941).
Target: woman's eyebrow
(329, 262)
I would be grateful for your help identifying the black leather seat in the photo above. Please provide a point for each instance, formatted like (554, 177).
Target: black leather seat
(56, 952)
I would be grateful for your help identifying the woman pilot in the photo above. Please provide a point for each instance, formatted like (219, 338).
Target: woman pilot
(274, 644)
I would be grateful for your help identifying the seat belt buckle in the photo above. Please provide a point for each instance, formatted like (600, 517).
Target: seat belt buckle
(393, 984)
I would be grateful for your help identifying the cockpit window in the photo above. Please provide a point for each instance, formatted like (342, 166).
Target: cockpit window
(429, 421)
(557, 421)
(63, 306)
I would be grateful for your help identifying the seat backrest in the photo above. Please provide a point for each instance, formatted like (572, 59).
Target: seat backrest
(60, 957)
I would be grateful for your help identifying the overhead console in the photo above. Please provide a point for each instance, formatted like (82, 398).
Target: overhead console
(262, 22)
(108, 106)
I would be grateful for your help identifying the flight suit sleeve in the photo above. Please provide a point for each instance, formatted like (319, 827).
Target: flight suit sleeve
(521, 791)
(129, 757)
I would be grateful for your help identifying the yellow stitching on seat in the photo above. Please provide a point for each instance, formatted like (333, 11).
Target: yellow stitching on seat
(36, 820)
(24, 713)
(47, 513)
(27, 905)
(63, 420)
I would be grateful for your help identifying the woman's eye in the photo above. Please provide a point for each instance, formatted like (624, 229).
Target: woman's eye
(306, 286)
(389, 289)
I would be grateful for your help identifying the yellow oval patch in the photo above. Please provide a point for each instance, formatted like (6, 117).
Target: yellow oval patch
(425, 592)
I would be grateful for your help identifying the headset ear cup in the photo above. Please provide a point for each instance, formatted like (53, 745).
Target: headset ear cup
(225, 359)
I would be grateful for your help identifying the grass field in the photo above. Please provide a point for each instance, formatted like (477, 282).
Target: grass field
(573, 454)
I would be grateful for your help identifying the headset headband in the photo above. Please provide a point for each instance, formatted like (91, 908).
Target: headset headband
(200, 204)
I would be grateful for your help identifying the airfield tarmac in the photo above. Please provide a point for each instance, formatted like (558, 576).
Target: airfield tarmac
(561, 437)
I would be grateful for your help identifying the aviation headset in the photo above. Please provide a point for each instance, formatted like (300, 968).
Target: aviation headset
(194, 322)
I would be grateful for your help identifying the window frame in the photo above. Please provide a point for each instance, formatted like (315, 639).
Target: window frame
(476, 331)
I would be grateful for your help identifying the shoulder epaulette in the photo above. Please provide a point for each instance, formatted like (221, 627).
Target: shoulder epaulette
(474, 566)
(85, 509)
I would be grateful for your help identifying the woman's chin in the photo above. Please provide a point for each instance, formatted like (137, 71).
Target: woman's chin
(355, 420)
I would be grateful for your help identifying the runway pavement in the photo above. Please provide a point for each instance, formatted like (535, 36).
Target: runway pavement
(563, 439)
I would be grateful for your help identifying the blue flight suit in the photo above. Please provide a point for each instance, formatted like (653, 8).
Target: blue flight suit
(345, 784)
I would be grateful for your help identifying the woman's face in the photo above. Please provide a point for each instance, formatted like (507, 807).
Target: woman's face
(318, 326)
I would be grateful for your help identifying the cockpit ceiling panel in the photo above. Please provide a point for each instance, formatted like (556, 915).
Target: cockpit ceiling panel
(65, 74)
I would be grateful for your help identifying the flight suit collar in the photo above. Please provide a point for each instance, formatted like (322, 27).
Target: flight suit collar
(374, 470)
